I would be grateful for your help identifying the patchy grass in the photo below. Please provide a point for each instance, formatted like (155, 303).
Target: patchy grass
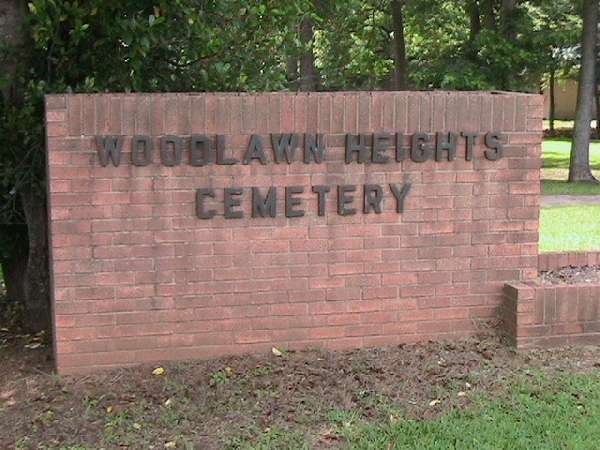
(555, 169)
(541, 413)
(561, 187)
(475, 393)
(570, 228)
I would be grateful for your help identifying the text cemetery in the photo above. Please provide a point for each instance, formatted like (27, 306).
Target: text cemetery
(376, 148)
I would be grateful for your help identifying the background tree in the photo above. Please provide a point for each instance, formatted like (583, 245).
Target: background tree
(557, 26)
(400, 75)
(309, 75)
(23, 251)
(579, 168)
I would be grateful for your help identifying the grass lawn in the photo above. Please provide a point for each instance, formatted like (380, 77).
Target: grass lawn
(539, 413)
(561, 187)
(570, 228)
(555, 169)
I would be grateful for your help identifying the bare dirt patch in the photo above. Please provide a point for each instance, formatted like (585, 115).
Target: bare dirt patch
(230, 401)
(572, 275)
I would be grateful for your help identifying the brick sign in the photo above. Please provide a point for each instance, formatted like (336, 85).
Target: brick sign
(198, 225)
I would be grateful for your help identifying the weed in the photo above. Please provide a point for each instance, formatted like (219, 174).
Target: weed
(117, 428)
(90, 405)
(221, 377)
(344, 418)
(274, 439)
(262, 371)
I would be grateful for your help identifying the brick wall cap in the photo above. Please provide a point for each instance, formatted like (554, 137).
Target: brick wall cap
(298, 94)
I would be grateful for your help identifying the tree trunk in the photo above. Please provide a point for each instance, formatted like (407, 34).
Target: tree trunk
(12, 15)
(34, 286)
(292, 72)
(552, 99)
(509, 31)
(579, 168)
(36, 282)
(13, 271)
(309, 76)
(400, 76)
(474, 19)
(597, 115)
(489, 16)
(506, 18)
(14, 264)
(597, 105)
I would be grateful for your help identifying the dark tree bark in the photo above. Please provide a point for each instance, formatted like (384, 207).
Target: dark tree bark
(597, 112)
(552, 99)
(508, 30)
(309, 76)
(292, 71)
(12, 14)
(13, 270)
(489, 15)
(36, 283)
(597, 104)
(400, 75)
(14, 262)
(579, 168)
(33, 290)
(474, 19)
(507, 12)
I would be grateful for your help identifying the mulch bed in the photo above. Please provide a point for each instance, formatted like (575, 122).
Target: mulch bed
(572, 275)
(220, 403)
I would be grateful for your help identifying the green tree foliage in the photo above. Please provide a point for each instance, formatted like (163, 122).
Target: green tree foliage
(354, 45)
(171, 45)
(133, 45)
(511, 52)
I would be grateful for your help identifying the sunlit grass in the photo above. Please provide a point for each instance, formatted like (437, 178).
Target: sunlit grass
(560, 124)
(565, 124)
(570, 228)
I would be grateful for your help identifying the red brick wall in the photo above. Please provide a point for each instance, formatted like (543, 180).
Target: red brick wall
(552, 315)
(139, 278)
(553, 261)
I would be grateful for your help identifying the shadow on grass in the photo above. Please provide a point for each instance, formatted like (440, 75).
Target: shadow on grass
(562, 187)
(560, 160)
(556, 153)
(555, 169)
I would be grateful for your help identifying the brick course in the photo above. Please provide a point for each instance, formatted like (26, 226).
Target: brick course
(553, 261)
(137, 277)
(538, 315)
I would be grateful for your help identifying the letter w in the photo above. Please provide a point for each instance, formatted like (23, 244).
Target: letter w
(284, 145)
(109, 147)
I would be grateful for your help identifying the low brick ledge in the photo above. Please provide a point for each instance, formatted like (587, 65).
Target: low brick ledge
(537, 315)
(553, 261)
